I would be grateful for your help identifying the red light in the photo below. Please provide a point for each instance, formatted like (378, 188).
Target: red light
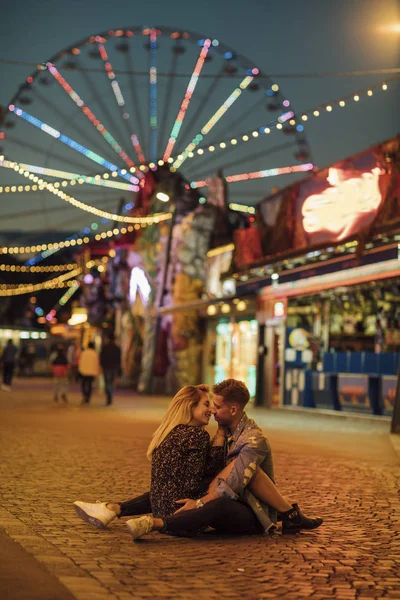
(29, 79)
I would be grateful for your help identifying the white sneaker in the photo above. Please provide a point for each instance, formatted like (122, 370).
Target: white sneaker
(140, 526)
(97, 514)
(6, 388)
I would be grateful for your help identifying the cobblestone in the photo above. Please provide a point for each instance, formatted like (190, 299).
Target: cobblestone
(345, 471)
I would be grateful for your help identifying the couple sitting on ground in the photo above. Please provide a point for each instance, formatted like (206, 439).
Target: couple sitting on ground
(227, 484)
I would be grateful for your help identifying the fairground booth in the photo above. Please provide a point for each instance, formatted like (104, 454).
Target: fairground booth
(324, 274)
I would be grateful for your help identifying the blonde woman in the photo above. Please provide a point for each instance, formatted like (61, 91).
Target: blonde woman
(182, 461)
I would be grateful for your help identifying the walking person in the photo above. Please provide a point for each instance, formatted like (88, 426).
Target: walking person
(110, 361)
(59, 365)
(89, 369)
(9, 359)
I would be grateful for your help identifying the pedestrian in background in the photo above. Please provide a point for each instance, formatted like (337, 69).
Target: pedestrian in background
(30, 359)
(73, 354)
(9, 359)
(89, 368)
(110, 361)
(59, 365)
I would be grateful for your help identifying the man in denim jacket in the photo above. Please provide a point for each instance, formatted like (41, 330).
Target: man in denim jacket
(243, 498)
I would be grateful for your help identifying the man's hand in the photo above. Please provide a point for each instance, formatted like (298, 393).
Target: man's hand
(188, 504)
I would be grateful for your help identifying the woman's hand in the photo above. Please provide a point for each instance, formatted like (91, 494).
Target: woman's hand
(188, 504)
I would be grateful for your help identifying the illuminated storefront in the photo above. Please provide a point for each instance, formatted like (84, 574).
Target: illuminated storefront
(327, 286)
(236, 352)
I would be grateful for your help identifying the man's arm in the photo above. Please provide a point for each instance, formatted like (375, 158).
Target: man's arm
(251, 455)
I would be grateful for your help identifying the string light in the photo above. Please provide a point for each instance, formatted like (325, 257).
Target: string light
(186, 100)
(37, 269)
(68, 294)
(88, 113)
(60, 281)
(70, 179)
(214, 120)
(316, 111)
(149, 220)
(258, 174)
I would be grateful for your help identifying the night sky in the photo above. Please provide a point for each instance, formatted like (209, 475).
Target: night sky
(277, 37)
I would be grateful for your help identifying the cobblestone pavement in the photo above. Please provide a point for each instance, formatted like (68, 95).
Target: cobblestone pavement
(342, 469)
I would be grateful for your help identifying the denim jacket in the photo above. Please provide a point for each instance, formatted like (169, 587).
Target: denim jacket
(250, 448)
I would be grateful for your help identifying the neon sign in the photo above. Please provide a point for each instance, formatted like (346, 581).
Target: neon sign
(346, 206)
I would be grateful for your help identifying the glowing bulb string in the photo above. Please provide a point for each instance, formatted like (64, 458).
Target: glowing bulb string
(69, 179)
(44, 185)
(47, 250)
(34, 269)
(89, 115)
(292, 119)
(61, 280)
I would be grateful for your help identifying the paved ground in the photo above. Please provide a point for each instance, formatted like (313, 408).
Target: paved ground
(343, 469)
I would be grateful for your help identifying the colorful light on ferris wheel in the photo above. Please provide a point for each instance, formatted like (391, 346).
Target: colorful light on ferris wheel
(214, 119)
(65, 139)
(258, 174)
(186, 100)
(153, 94)
(117, 93)
(89, 114)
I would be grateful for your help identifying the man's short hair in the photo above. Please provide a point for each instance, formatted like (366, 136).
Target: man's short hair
(232, 391)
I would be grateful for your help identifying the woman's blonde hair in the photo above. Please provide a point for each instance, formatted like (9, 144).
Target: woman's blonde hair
(179, 412)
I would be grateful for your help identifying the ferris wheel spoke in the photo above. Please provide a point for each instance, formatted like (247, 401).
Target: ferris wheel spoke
(235, 178)
(249, 157)
(119, 97)
(168, 94)
(67, 141)
(153, 94)
(230, 127)
(136, 106)
(237, 92)
(186, 100)
(99, 99)
(23, 144)
(90, 115)
(71, 122)
(218, 77)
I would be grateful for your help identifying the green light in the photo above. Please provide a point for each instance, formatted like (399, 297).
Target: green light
(202, 200)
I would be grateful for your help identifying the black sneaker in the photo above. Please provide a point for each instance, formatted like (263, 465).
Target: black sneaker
(294, 521)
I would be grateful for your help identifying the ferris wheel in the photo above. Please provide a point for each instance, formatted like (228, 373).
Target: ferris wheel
(93, 119)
